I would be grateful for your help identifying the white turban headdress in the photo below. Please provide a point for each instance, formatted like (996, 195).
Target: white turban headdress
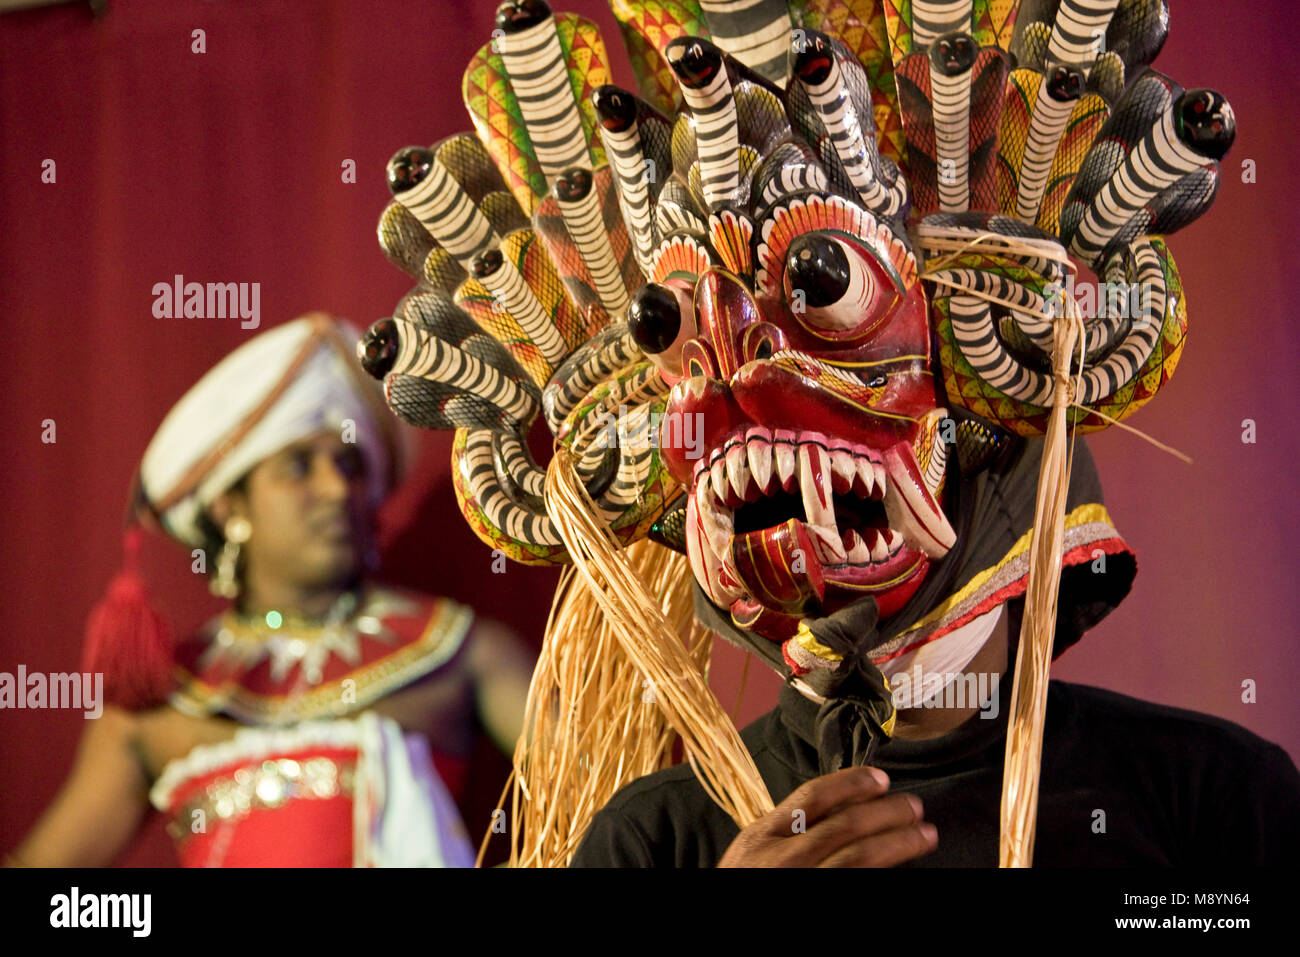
(284, 385)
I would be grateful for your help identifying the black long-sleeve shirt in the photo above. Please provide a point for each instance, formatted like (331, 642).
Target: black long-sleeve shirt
(1124, 783)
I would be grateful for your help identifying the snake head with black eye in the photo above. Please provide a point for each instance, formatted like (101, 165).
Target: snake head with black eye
(696, 62)
(487, 263)
(408, 168)
(953, 53)
(615, 107)
(573, 185)
(1205, 122)
(515, 16)
(813, 58)
(1065, 84)
(378, 348)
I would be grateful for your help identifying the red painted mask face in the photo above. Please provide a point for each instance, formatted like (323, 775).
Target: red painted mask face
(818, 478)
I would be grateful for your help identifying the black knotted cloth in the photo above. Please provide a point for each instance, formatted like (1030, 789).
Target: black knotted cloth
(990, 512)
(858, 711)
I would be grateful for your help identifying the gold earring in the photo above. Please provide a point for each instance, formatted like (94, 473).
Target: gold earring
(236, 532)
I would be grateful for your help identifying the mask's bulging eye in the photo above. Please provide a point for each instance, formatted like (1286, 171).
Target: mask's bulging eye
(661, 321)
(835, 290)
(653, 318)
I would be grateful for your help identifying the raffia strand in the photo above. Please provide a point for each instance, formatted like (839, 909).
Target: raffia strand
(591, 725)
(709, 738)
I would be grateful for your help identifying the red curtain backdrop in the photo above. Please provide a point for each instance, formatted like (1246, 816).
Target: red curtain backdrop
(226, 166)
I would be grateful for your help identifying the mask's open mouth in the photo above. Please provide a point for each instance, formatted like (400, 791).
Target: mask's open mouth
(854, 529)
(787, 519)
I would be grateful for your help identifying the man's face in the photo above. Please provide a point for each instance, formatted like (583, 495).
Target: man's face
(309, 512)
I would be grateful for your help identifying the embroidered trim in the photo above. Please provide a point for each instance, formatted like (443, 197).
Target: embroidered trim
(442, 637)
(1087, 525)
(230, 798)
(809, 643)
(248, 746)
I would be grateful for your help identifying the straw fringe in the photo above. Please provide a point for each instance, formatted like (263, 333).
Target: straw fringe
(588, 731)
(1022, 766)
(642, 626)
(623, 671)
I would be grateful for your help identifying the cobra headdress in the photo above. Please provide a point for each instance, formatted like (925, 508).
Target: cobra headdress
(826, 259)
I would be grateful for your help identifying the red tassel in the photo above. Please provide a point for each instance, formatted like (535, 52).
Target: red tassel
(127, 640)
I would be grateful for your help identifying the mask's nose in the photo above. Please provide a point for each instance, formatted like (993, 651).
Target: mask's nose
(731, 328)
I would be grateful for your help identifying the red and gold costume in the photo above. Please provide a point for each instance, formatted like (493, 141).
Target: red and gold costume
(304, 783)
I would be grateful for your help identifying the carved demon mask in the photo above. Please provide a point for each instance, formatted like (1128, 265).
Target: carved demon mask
(817, 267)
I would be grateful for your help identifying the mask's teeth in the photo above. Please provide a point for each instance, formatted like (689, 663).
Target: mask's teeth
(783, 455)
(695, 547)
(758, 449)
(876, 546)
(718, 475)
(878, 493)
(738, 473)
(716, 520)
(706, 565)
(826, 541)
(865, 478)
(893, 541)
(815, 483)
(859, 553)
(911, 508)
(843, 470)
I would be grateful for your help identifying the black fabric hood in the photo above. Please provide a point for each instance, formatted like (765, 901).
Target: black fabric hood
(991, 512)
